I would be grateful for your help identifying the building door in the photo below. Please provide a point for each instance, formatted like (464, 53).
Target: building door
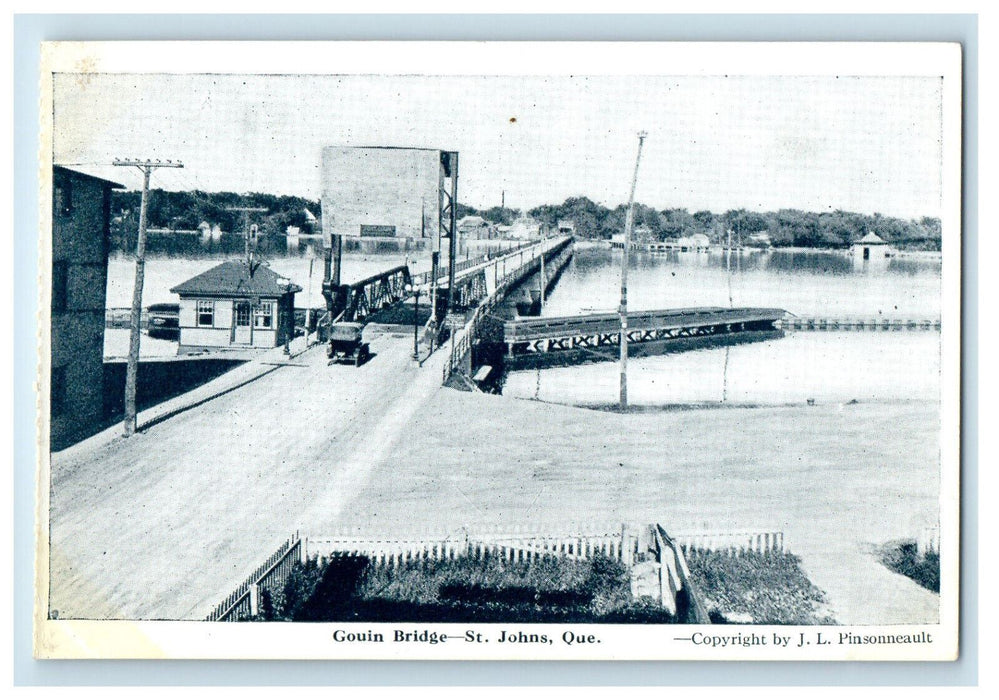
(243, 326)
(867, 253)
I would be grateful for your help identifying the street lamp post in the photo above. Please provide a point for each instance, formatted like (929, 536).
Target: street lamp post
(416, 321)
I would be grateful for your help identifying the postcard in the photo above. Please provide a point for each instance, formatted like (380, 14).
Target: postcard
(499, 350)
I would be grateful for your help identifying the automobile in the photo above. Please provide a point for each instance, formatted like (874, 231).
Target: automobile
(346, 344)
(163, 321)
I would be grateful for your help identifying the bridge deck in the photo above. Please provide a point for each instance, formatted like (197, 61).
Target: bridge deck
(528, 330)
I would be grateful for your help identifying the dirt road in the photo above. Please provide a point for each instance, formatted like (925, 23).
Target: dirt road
(163, 524)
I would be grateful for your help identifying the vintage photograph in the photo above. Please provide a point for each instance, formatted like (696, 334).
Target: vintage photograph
(499, 351)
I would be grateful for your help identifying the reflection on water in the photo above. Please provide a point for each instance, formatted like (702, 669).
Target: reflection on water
(822, 366)
(803, 282)
(827, 367)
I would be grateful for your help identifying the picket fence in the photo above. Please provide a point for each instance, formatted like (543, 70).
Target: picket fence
(244, 602)
(928, 541)
(621, 542)
(732, 543)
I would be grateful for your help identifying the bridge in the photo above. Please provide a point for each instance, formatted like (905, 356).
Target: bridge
(564, 333)
(475, 280)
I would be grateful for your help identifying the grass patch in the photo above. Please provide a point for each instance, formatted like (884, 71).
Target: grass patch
(764, 589)
(903, 558)
(490, 589)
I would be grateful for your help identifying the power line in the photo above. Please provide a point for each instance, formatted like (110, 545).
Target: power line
(132, 369)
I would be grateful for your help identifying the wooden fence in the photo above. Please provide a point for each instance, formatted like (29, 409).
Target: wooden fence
(732, 543)
(677, 591)
(928, 541)
(244, 602)
(617, 542)
(798, 323)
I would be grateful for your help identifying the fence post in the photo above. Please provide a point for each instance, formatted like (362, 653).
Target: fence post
(254, 599)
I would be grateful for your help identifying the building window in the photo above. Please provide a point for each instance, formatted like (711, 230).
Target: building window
(263, 315)
(59, 285)
(63, 198)
(206, 313)
(57, 391)
(242, 314)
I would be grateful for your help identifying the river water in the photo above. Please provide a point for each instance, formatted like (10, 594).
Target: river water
(821, 366)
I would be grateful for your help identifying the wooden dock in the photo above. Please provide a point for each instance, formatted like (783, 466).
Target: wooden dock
(538, 335)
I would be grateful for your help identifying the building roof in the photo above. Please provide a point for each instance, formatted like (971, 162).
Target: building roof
(872, 239)
(61, 169)
(237, 279)
(472, 221)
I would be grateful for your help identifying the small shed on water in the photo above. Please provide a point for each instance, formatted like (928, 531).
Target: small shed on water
(871, 246)
(236, 304)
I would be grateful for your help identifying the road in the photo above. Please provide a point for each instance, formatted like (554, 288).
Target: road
(164, 524)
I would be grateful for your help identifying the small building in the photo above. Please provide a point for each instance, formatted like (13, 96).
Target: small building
(475, 227)
(694, 243)
(642, 234)
(566, 227)
(238, 305)
(524, 227)
(81, 218)
(871, 247)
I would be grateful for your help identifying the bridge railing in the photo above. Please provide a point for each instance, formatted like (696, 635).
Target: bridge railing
(462, 339)
(424, 278)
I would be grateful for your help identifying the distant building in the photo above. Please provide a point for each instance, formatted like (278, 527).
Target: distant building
(236, 304)
(760, 239)
(871, 247)
(566, 227)
(81, 215)
(524, 227)
(475, 227)
(694, 243)
(642, 234)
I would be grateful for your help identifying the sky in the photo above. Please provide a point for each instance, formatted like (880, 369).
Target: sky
(864, 144)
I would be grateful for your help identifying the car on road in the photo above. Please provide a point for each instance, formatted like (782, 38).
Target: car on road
(347, 344)
(163, 321)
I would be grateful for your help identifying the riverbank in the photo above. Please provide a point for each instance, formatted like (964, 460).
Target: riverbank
(821, 478)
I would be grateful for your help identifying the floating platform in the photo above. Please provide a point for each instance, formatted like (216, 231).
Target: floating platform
(554, 334)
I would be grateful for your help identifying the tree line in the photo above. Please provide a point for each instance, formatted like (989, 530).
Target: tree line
(785, 227)
(186, 211)
(180, 211)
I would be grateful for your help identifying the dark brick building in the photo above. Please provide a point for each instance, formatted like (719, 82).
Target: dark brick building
(81, 206)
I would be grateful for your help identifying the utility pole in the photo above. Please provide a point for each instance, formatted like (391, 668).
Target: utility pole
(246, 226)
(628, 221)
(135, 324)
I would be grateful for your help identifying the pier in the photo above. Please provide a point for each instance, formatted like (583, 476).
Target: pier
(541, 335)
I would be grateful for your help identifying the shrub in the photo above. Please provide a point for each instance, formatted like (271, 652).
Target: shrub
(767, 588)
(903, 558)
